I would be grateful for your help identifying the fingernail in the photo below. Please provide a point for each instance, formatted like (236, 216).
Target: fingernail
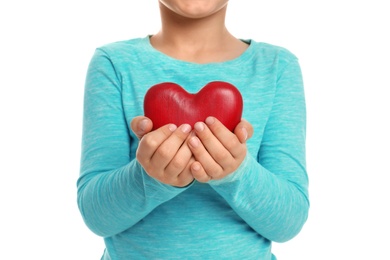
(245, 133)
(199, 126)
(186, 128)
(196, 167)
(143, 124)
(210, 120)
(194, 141)
(172, 127)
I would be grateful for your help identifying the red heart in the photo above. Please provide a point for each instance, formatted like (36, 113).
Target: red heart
(169, 103)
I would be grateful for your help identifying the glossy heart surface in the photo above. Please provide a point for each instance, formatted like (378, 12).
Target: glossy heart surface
(169, 103)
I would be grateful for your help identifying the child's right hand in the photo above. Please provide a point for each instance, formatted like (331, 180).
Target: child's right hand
(164, 153)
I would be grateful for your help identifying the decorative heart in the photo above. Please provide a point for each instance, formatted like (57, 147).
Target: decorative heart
(169, 103)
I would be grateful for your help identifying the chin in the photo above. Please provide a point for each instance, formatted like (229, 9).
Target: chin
(194, 8)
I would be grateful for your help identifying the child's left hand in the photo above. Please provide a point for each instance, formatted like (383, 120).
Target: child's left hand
(218, 151)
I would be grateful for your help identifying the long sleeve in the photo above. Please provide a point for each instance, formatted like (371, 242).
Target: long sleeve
(270, 192)
(238, 217)
(114, 192)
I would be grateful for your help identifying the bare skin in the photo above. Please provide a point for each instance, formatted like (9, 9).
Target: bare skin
(176, 157)
(202, 39)
(193, 31)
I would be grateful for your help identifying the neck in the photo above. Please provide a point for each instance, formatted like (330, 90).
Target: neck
(197, 40)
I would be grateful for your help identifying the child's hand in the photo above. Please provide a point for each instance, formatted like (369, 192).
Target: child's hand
(243, 131)
(141, 125)
(163, 153)
(218, 151)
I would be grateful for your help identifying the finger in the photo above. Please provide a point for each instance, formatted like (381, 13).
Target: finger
(181, 160)
(185, 177)
(199, 173)
(152, 140)
(243, 131)
(210, 166)
(227, 139)
(141, 125)
(213, 145)
(169, 148)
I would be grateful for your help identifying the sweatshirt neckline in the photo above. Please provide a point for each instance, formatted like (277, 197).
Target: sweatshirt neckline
(244, 57)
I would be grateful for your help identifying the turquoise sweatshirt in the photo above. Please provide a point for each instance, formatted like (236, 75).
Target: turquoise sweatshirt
(238, 217)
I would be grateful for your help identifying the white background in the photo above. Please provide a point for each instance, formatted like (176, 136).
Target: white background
(343, 47)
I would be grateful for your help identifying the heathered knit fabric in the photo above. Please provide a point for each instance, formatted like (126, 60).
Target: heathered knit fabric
(264, 200)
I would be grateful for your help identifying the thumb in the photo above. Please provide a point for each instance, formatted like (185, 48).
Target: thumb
(243, 131)
(141, 125)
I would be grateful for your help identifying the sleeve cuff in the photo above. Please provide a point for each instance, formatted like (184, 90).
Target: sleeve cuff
(234, 176)
(154, 186)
